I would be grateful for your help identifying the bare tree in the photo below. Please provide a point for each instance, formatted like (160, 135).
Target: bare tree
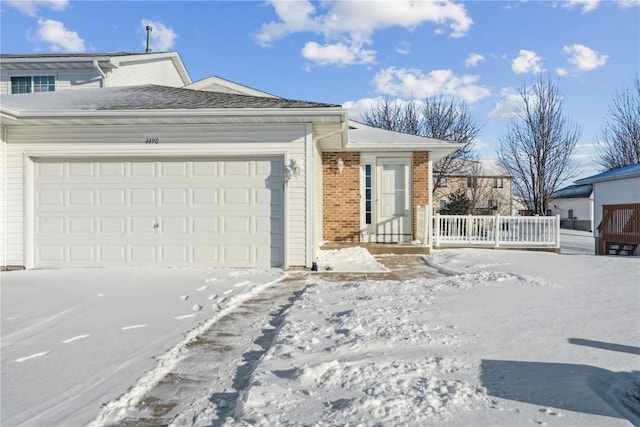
(620, 143)
(449, 119)
(437, 117)
(539, 142)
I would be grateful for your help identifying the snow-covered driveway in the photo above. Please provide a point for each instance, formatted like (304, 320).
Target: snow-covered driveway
(73, 339)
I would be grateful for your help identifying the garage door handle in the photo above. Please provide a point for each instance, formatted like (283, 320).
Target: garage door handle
(155, 226)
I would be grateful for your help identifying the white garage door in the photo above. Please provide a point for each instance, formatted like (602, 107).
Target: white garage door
(214, 212)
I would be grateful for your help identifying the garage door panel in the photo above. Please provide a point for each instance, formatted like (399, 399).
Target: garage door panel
(142, 169)
(216, 212)
(113, 254)
(50, 254)
(173, 169)
(82, 225)
(81, 170)
(142, 254)
(80, 197)
(204, 197)
(173, 196)
(174, 254)
(205, 225)
(50, 224)
(80, 254)
(174, 225)
(112, 225)
(112, 197)
(142, 225)
(49, 170)
(142, 197)
(111, 170)
(50, 197)
(240, 225)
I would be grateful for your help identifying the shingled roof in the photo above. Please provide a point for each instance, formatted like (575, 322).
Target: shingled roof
(146, 97)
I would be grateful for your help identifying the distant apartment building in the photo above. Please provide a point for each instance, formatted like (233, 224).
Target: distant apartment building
(487, 186)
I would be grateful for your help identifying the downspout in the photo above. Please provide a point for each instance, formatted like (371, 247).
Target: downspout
(316, 239)
(102, 74)
(5, 209)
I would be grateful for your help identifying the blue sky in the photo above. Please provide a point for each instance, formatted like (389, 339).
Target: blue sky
(351, 52)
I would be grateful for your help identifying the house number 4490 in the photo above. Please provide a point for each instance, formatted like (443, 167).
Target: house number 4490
(152, 140)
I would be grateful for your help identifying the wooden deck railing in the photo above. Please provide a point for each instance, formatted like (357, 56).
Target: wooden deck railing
(620, 224)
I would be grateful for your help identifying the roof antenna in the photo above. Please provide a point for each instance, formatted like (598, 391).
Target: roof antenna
(149, 28)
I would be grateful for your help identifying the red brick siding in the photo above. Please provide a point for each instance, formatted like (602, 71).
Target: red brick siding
(341, 194)
(420, 184)
(341, 197)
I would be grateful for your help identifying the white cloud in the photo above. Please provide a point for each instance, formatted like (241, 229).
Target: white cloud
(337, 54)
(404, 48)
(506, 107)
(584, 58)
(562, 72)
(31, 7)
(58, 37)
(412, 83)
(473, 59)
(162, 37)
(587, 5)
(629, 3)
(526, 62)
(357, 109)
(352, 23)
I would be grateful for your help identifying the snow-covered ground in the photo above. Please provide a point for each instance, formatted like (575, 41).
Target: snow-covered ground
(73, 339)
(500, 338)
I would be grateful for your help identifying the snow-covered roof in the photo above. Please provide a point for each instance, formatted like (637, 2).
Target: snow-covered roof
(578, 191)
(363, 137)
(145, 97)
(631, 171)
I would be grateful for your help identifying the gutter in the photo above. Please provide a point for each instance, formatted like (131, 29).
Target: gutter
(343, 125)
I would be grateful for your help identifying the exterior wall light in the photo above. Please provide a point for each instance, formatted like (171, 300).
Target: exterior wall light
(294, 168)
(340, 165)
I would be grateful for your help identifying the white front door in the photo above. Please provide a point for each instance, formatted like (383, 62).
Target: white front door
(387, 200)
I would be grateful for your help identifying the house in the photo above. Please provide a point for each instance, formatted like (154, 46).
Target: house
(219, 176)
(486, 184)
(55, 72)
(616, 201)
(574, 204)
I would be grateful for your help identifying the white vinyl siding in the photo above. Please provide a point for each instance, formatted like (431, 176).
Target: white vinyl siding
(26, 142)
(616, 192)
(159, 72)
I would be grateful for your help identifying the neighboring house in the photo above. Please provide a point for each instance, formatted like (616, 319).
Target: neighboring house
(487, 186)
(574, 204)
(55, 72)
(616, 200)
(151, 174)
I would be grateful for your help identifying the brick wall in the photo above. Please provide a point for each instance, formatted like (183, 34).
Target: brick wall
(341, 194)
(420, 184)
(341, 197)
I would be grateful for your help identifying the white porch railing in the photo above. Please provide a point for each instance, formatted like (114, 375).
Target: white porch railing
(496, 231)
(423, 230)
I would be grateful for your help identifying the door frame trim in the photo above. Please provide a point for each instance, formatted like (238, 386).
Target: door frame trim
(367, 231)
